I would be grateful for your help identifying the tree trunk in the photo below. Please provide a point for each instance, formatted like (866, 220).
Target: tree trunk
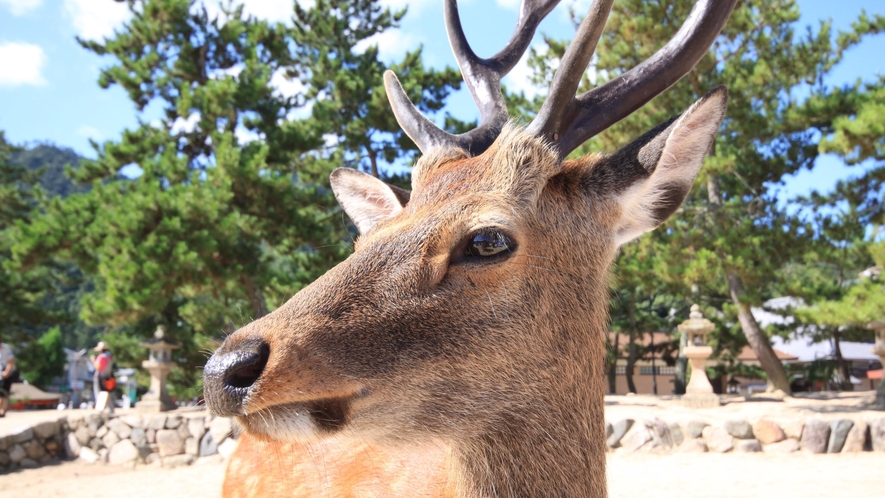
(373, 161)
(681, 366)
(845, 385)
(880, 394)
(613, 368)
(256, 297)
(777, 376)
(631, 356)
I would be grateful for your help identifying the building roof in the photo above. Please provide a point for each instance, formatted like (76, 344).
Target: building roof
(747, 354)
(807, 351)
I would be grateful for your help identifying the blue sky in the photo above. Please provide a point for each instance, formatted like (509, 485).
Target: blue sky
(48, 89)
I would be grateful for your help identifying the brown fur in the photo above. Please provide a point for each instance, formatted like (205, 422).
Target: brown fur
(436, 375)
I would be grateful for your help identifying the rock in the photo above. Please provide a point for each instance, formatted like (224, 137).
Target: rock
(207, 445)
(619, 429)
(103, 455)
(21, 434)
(53, 449)
(153, 459)
(35, 449)
(177, 461)
(838, 433)
(46, 430)
(138, 437)
(608, 430)
(221, 429)
(4, 459)
(82, 435)
(183, 431)
(17, 454)
(196, 427)
(695, 428)
(158, 422)
(4, 443)
(768, 432)
(740, 429)
(856, 439)
(877, 434)
(173, 422)
(785, 446)
(72, 446)
(169, 443)
(120, 428)
(93, 422)
(88, 455)
(718, 439)
(95, 444)
(123, 452)
(693, 446)
(110, 439)
(660, 433)
(815, 436)
(676, 434)
(133, 421)
(151, 436)
(793, 428)
(633, 440)
(29, 463)
(102, 431)
(192, 446)
(227, 448)
(747, 446)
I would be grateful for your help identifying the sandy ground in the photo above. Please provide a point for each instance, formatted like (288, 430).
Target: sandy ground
(629, 475)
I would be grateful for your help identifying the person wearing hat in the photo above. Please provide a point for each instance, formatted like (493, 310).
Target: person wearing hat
(104, 371)
(8, 375)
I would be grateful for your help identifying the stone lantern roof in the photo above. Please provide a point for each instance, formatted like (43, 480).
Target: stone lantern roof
(160, 341)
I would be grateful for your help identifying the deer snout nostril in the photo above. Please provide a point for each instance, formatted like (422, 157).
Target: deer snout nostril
(243, 373)
(229, 376)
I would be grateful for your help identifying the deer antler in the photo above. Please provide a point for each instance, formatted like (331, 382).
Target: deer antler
(565, 120)
(482, 77)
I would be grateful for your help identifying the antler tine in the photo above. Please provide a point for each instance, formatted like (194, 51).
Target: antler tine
(571, 69)
(597, 109)
(483, 80)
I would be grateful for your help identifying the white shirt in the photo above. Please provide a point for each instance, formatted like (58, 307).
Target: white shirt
(5, 356)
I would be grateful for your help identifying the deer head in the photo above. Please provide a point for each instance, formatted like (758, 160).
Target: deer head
(473, 309)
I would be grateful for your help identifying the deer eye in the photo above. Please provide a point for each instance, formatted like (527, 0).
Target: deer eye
(487, 243)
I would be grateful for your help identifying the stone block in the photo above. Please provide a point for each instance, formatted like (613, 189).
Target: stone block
(838, 433)
(53, 449)
(95, 444)
(169, 443)
(110, 439)
(793, 428)
(676, 434)
(29, 463)
(718, 439)
(133, 421)
(177, 461)
(173, 421)
(103, 455)
(122, 453)
(197, 427)
(4, 443)
(102, 431)
(35, 449)
(877, 434)
(72, 446)
(20, 435)
(747, 446)
(4, 459)
(815, 436)
(17, 453)
(740, 429)
(785, 446)
(151, 436)
(608, 430)
(221, 428)
(192, 446)
(153, 458)
(700, 400)
(157, 423)
(207, 445)
(660, 433)
(88, 455)
(183, 431)
(620, 428)
(226, 449)
(695, 428)
(856, 440)
(768, 432)
(637, 437)
(46, 430)
(120, 428)
(138, 437)
(82, 435)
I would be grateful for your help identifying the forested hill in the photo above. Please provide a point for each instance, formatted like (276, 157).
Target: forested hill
(54, 159)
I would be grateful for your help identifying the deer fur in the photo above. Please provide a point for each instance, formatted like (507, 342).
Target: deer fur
(410, 370)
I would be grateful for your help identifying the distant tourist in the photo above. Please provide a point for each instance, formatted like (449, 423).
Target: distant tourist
(103, 380)
(9, 374)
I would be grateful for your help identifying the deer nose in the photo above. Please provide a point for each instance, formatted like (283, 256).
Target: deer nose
(230, 375)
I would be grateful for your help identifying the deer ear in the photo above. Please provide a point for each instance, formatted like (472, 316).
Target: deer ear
(366, 199)
(663, 164)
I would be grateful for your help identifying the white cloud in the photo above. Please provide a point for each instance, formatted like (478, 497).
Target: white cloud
(94, 19)
(508, 4)
(21, 64)
(91, 133)
(519, 79)
(391, 44)
(181, 125)
(286, 86)
(414, 6)
(21, 7)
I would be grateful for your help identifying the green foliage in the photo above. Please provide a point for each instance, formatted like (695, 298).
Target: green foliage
(43, 359)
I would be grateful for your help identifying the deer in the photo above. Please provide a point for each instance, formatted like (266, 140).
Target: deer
(458, 351)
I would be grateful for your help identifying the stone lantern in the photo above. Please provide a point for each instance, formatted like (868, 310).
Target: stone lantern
(699, 391)
(878, 327)
(159, 363)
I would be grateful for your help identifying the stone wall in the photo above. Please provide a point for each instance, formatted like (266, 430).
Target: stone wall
(169, 439)
(786, 436)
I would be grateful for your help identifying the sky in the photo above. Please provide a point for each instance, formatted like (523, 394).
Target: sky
(49, 90)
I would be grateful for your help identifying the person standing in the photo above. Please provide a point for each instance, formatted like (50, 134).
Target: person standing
(8, 375)
(102, 379)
